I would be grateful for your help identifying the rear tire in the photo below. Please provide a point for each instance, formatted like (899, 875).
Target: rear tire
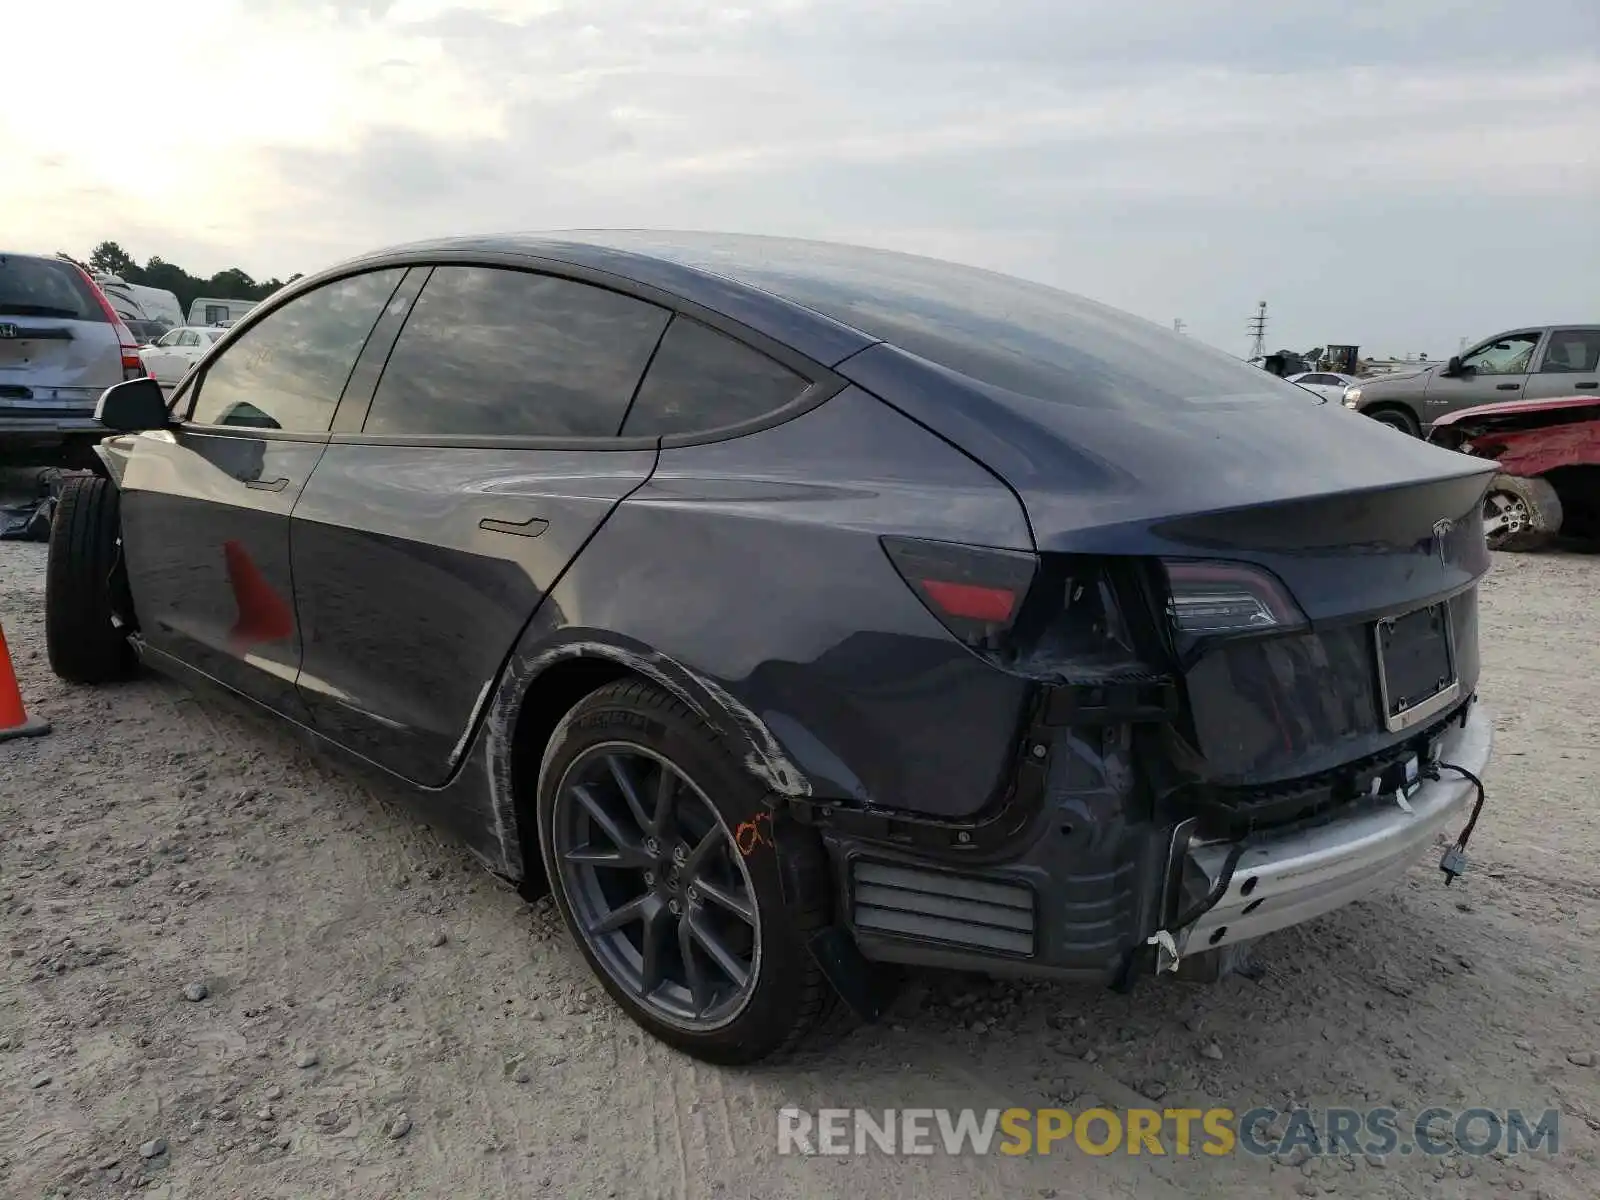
(659, 884)
(84, 584)
(1520, 514)
(1396, 418)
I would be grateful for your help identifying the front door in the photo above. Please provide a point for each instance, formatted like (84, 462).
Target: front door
(162, 358)
(1569, 366)
(205, 506)
(432, 530)
(1491, 373)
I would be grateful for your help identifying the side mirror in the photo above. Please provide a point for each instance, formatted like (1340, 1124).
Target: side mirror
(132, 406)
(1454, 367)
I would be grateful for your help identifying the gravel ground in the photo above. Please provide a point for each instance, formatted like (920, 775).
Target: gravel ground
(226, 969)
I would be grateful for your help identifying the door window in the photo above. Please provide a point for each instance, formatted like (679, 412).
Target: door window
(1507, 356)
(701, 379)
(288, 370)
(170, 339)
(492, 352)
(1571, 351)
(188, 338)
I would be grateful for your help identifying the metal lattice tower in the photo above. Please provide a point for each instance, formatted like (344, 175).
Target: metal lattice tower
(1258, 331)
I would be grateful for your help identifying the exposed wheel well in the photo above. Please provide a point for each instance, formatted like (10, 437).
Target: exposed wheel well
(1578, 488)
(549, 698)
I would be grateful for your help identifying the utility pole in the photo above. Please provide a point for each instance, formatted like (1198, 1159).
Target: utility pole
(1258, 331)
(1177, 324)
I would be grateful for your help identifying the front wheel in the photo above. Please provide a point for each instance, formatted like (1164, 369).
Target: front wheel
(659, 849)
(1397, 418)
(1519, 513)
(85, 596)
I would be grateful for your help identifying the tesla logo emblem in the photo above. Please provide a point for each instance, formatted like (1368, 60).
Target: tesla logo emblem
(1441, 530)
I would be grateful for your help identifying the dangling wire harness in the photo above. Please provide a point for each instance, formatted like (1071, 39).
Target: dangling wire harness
(1454, 862)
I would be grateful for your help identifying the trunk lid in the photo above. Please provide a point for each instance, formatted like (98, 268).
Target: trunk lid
(58, 349)
(1360, 522)
(1343, 509)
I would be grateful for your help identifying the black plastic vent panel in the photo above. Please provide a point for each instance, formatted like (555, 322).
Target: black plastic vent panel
(935, 906)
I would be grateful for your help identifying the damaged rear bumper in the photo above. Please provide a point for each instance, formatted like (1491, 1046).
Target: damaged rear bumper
(1057, 908)
(1284, 879)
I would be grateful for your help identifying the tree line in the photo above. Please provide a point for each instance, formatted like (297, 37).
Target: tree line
(232, 284)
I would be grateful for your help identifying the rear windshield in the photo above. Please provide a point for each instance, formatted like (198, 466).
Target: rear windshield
(45, 287)
(1005, 332)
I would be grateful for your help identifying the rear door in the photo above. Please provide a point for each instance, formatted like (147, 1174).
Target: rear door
(205, 506)
(190, 349)
(58, 347)
(1569, 365)
(161, 358)
(1491, 373)
(442, 514)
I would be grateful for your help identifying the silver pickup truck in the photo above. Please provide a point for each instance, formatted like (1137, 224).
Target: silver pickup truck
(1523, 364)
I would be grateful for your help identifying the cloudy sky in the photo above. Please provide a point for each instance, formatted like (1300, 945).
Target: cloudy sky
(1400, 174)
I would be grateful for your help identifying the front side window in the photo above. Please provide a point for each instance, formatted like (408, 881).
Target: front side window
(288, 370)
(493, 352)
(1504, 356)
(171, 338)
(701, 379)
(188, 338)
(1572, 351)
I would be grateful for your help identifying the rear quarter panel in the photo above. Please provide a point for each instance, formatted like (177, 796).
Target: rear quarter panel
(751, 571)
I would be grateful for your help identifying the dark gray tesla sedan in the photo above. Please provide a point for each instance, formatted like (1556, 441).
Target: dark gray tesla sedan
(793, 611)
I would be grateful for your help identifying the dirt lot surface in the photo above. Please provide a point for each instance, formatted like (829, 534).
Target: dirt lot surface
(382, 1018)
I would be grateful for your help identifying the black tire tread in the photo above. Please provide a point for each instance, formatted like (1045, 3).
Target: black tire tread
(807, 915)
(1412, 426)
(83, 644)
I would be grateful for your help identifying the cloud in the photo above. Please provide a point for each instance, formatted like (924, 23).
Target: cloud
(1141, 153)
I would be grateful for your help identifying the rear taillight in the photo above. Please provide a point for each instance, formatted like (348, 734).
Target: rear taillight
(132, 364)
(1206, 598)
(975, 591)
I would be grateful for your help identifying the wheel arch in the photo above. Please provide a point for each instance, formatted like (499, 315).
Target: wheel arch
(541, 687)
(1404, 408)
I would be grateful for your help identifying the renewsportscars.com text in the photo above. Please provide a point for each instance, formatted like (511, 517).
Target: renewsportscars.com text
(1160, 1131)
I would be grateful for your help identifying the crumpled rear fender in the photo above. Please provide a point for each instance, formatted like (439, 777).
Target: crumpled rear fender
(1533, 452)
(747, 737)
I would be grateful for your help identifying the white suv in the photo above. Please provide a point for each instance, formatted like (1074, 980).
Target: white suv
(61, 345)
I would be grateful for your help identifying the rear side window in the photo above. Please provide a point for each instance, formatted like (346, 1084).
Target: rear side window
(1008, 333)
(1572, 350)
(701, 379)
(287, 371)
(45, 287)
(492, 352)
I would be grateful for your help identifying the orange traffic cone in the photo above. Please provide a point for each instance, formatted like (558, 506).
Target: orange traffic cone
(14, 719)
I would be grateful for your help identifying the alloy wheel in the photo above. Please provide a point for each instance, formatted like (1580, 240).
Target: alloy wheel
(1504, 515)
(657, 887)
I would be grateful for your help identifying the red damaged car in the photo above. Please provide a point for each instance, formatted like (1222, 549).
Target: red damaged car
(1549, 456)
